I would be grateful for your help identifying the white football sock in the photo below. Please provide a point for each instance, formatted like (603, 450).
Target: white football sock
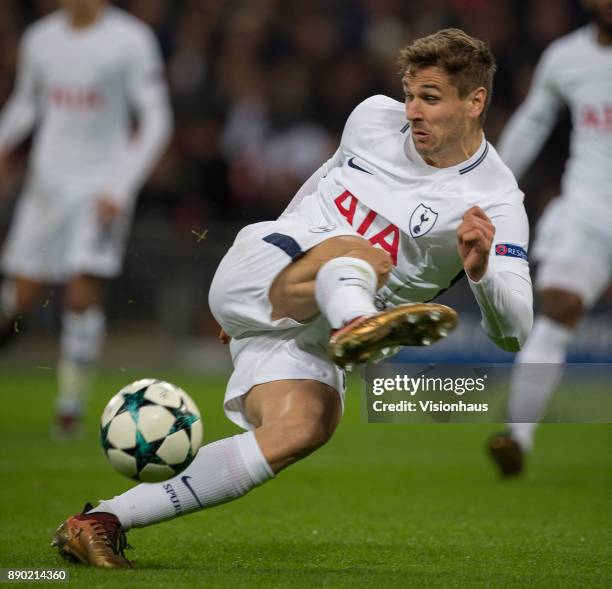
(222, 471)
(537, 371)
(345, 289)
(80, 347)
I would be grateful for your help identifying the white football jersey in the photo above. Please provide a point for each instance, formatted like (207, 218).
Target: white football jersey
(576, 71)
(379, 185)
(82, 86)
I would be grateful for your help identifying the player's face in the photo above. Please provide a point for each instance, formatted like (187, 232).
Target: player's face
(80, 6)
(443, 125)
(602, 13)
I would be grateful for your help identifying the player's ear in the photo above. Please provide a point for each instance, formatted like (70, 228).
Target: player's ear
(476, 102)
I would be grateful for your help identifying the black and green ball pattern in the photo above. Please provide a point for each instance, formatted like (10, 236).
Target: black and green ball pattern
(151, 430)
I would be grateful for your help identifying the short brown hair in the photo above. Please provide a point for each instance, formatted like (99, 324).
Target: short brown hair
(468, 61)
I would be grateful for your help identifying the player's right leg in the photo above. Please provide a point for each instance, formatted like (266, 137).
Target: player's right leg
(82, 337)
(361, 268)
(18, 295)
(537, 372)
(291, 418)
(541, 363)
(339, 278)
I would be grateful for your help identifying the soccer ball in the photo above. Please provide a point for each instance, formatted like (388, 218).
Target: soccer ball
(151, 430)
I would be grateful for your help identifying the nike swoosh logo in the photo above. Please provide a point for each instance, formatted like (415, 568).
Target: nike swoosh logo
(185, 481)
(359, 282)
(352, 164)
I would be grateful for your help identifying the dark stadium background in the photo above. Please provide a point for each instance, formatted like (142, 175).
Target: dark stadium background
(260, 92)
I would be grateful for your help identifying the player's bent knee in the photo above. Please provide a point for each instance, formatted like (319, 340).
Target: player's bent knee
(562, 306)
(379, 259)
(336, 247)
(292, 418)
(305, 436)
(352, 246)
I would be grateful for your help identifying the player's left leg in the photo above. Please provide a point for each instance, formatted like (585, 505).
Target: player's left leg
(546, 348)
(83, 331)
(291, 418)
(537, 372)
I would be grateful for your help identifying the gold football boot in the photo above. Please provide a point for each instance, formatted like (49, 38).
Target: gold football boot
(414, 324)
(95, 539)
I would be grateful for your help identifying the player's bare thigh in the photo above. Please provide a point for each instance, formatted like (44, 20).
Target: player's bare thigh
(292, 418)
(81, 292)
(292, 292)
(562, 306)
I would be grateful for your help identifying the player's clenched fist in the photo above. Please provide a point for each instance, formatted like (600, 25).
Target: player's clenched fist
(474, 238)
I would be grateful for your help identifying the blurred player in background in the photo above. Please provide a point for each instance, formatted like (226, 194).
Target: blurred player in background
(574, 236)
(394, 217)
(83, 72)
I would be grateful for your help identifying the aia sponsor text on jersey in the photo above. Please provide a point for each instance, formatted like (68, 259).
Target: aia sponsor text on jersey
(376, 229)
(597, 118)
(76, 98)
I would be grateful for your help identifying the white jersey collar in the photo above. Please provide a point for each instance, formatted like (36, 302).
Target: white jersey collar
(461, 168)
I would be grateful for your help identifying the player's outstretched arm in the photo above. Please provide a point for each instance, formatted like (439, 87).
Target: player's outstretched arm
(19, 113)
(149, 96)
(531, 124)
(504, 295)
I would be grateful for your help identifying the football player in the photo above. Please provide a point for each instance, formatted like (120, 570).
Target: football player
(414, 197)
(82, 72)
(574, 240)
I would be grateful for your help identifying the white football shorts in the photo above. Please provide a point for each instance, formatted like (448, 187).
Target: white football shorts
(239, 292)
(55, 233)
(573, 246)
(262, 349)
(266, 358)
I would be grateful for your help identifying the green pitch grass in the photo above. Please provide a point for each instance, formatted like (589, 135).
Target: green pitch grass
(379, 506)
